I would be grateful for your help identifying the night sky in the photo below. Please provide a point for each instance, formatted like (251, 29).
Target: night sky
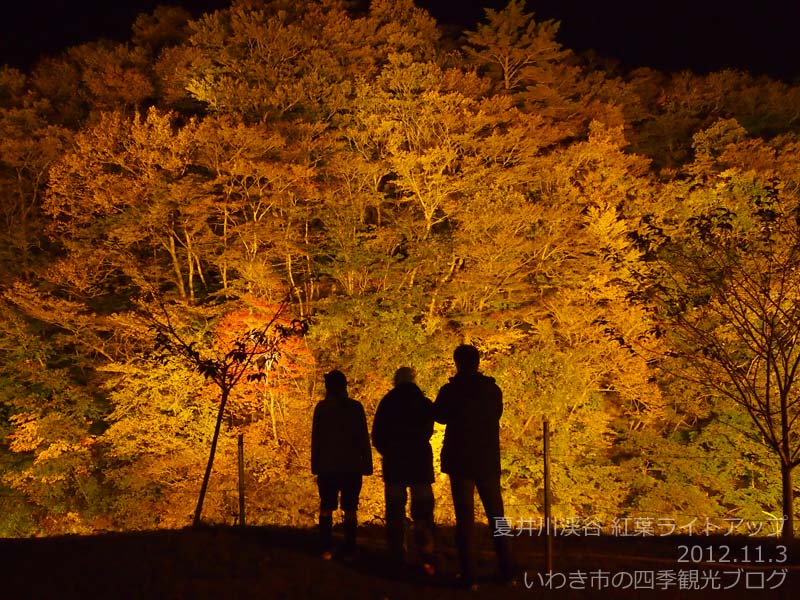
(700, 35)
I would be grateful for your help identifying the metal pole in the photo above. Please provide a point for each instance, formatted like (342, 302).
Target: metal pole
(241, 480)
(548, 546)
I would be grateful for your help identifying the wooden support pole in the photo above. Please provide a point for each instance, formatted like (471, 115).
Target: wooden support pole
(548, 547)
(241, 480)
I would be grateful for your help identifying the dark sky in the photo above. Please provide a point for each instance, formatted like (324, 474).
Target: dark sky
(701, 35)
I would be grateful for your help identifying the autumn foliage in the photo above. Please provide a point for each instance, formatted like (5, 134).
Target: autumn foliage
(398, 191)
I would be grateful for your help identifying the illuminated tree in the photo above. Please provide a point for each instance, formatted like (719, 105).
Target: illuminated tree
(166, 26)
(516, 49)
(29, 146)
(126, 202)
(726, 289)
(256, 205)
(407, 193)
(672, 108)
(562, 336)
(49, 420)
(114, 76)
(236, 358)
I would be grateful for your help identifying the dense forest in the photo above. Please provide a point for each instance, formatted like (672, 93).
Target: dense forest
(623, 248)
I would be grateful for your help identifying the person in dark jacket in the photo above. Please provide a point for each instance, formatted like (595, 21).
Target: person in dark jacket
(401, 433)
(470, 406)
(340, 456)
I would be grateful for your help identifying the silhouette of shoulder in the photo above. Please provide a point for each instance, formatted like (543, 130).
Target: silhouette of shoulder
(467, 393)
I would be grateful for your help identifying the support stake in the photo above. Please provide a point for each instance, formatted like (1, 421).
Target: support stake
(548, 536)
(241, 480)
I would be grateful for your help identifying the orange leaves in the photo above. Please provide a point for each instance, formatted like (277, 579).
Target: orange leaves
(253, 314)
(114, 75)
(118, 163)
(281, 357)
(405, 195)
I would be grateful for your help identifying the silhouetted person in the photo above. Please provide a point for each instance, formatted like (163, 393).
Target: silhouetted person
(470, 406)
(340, 456)
(401, 433)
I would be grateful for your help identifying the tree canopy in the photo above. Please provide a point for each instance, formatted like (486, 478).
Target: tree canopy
(622, 248)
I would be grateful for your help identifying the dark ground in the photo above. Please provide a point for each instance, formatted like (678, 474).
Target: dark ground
(282, 564)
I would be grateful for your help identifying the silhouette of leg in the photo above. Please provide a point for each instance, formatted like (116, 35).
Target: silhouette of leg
(325, 533)
(396, 498)
(463, 491)
(328, 502)
(351, 489)
(422, 514)
(350, 532)
(492, 500)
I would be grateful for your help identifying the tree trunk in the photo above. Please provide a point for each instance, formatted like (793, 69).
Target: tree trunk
(176, 265)
(189, 264)
(204, 486)
(272, 416)
(224, 266)
(788, 501)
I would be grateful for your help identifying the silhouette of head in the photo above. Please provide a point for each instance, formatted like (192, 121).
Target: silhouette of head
(466, 358)
(404, 375)
(335, 383)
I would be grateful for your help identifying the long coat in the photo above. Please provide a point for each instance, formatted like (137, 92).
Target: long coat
(401, 433)
(339, 438)
(470, 406)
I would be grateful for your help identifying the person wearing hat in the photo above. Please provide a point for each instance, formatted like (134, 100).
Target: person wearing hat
(340, 456)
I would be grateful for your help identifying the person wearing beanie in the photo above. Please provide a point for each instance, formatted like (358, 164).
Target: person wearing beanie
(340, 456)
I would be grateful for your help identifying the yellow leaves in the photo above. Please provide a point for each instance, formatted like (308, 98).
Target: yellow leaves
(116, 164)
(605, 223)
(26, 436)
(404, 78)
(230, 147)
(265, 63)
(55, 450)
(402, 27)
(71, 317)
(712, 141)
(156, 145)
(61, 459)
(609, 233)
(611, 137)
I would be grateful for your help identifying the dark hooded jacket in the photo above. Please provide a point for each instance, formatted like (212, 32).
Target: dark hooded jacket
(470, 405)
(339, 438)
(401, 433)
